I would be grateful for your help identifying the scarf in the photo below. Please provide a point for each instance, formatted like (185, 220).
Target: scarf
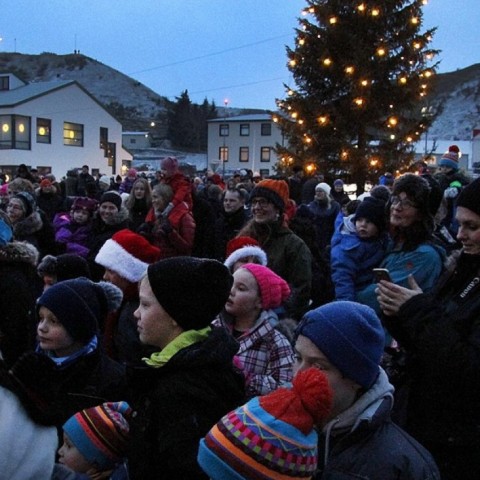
(185, 339)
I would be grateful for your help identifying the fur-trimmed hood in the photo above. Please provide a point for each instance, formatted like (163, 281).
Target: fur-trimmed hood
(28, 226)
(19, 252)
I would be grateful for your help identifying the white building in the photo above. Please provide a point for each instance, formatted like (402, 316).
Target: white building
(243, 142)
(57, 126)
(136, 140)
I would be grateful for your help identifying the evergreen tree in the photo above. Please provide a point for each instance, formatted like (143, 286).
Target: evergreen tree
(362, 71)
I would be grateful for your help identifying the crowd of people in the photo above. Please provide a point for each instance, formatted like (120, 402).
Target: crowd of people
(190, 328)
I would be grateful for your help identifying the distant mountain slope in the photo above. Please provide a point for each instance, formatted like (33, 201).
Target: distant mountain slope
(456, 95)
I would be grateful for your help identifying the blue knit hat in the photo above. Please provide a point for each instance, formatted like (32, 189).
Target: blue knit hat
(272, 436)
(350, 335)
(81, 305)
(450, 158)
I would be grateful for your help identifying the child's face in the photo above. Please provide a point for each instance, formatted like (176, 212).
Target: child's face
(139, 191)
(244, 296)
(70, 456)
(81, 216)
(52, 335)
(365, 228)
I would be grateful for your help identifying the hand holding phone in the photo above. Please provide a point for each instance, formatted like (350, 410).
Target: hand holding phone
(381, 274)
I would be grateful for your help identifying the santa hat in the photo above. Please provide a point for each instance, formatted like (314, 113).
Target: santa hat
(244, 247)
(270, 437)
(128, 254)
(450, 158)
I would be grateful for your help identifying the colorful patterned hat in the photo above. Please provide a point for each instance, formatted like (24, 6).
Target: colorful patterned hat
(271, 437)
(100, 433)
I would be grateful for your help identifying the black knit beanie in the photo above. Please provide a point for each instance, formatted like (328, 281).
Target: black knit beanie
(192, 290)
(470, 197)
(417, 189)
(373, 210)
(112, 197)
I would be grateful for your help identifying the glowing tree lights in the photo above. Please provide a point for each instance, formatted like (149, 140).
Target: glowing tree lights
(360, 72)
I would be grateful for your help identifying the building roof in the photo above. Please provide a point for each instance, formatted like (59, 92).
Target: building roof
(255, 117)
(19, 95)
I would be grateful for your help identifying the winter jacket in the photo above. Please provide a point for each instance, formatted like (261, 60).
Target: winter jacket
(182, 189)
(174, 235)
(28, 449)
(352, 260)
(126, 185)
(425, 263)
(441, 334)
(38, 231)
(265, 355)
(19, 289)
(363, 443)
(324, 220)
(290, 258)
(49, 203)
(227, 226)
(70, 236)
(176, 405)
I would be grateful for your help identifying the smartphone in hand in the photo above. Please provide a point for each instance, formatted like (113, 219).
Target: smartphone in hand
(381, 274)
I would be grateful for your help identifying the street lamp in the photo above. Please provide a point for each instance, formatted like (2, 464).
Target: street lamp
(224, 153)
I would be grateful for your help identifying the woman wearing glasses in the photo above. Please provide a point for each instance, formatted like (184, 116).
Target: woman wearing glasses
(411, 250)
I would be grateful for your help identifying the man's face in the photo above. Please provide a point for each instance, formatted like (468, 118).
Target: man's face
(232, 201)
(344, 390)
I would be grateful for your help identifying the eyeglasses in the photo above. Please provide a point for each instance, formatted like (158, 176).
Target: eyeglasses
(261, 202)
(404, 203)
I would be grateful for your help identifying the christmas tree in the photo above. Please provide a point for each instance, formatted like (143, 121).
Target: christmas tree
(362, 70)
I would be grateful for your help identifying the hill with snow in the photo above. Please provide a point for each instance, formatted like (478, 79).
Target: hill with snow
(455, 97)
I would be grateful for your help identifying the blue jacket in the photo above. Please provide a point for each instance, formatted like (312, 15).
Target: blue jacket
(352, 259)
(425, 263)
(363, 443)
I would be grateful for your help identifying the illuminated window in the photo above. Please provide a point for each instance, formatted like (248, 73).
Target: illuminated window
(223, 154)
(244, 154)
(44, 130)
(73, 134)
(265, 154)
(266, 129)
(244, 130)
(224, 130)
(15, 132)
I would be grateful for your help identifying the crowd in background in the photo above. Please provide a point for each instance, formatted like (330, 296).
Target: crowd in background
(254, 281)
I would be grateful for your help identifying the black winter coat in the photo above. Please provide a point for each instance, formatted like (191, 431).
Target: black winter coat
(441, 334)
(177, 404)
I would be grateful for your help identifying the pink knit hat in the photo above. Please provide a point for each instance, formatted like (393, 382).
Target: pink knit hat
(170, 165)
(274, 290)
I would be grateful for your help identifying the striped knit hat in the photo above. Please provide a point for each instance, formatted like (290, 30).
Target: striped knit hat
(100, 433)
(270, 437)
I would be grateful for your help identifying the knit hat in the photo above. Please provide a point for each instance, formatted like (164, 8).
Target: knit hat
(450, 158)
(81, 305)
(64, 266)
(132, 172)
(84, 203)
(169, 165)
(323, 186)
(373, 210)
(270, 437)
(101, 433)
(128, 254)
(5, 229)
(105, 180)
(381, 192)
(338, 183)
(274, 290)
(275, 191)
(244, 247)
(350, 335)
(416, 188)
(470, 197)
(192, 290)
(45, 183)
(112, 197)
(28, 201)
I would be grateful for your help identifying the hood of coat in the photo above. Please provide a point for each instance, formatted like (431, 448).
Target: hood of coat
(19, 252)
(28, 226)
